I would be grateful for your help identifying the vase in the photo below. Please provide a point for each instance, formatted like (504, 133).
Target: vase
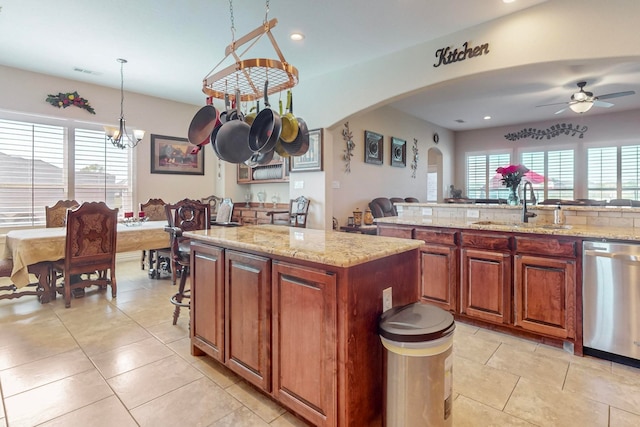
(513, 200)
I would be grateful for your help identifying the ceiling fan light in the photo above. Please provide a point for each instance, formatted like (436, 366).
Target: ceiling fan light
(581, 107)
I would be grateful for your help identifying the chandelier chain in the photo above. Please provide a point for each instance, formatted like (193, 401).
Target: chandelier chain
(233, 24)
(266, 12)
(122, 88)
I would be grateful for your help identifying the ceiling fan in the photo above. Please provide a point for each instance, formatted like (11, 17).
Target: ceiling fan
(582, 101)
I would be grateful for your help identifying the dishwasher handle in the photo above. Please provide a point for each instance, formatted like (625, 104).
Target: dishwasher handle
(614, 255)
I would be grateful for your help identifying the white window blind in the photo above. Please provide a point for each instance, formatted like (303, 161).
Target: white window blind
(602, 173)
(32, 171)
(35, 160)
(551, 173)
(482, 179)
(630, 172)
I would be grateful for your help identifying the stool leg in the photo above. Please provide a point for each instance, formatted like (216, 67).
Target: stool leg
(179, 295)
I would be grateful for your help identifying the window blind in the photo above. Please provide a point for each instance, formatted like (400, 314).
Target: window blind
(602, 173)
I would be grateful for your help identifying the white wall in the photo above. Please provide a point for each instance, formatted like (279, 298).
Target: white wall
(368, 181)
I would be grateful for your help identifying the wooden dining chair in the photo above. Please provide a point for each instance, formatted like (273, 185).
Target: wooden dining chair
(295, 217)
(154, 211)
(214, 204)
(56, 215)
(39, 288)
(185, 215)
(90, 249)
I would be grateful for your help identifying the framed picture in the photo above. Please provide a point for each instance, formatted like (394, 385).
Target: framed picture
(312, 159)
(174, 155)
(373, 147)
(398, 152)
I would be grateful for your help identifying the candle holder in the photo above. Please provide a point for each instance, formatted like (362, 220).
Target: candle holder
(357, 217)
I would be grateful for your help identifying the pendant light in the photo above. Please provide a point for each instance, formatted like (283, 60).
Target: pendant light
(119, 136)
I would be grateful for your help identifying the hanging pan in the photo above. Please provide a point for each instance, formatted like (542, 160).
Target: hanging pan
(289, 122)
(232, 139)
(265, 129)
(202, 125)
(300, 145)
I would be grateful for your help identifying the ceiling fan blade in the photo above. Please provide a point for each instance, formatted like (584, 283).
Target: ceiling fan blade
(561, 111)
(598, 103)
(616, 94)
(556, 103)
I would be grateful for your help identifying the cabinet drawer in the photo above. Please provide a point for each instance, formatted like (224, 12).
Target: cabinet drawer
(403, 232)
(486, 241)
(248, 214)
(548, 246)
(441, 237)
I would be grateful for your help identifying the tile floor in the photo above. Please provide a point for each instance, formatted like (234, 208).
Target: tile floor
(121, 362)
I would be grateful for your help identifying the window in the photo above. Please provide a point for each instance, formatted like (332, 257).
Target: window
(613, 172)
(551, 173)
(35, 164)
(630, 172)
(482, 180)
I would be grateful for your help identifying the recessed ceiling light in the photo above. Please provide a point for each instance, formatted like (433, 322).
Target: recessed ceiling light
(508, 1)
(296, 36)
(487, 117)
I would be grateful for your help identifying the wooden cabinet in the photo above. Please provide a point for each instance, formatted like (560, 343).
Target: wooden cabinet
(248, 315)
(439, 267)
(207, 306)
(304, 341)
(402, 231)
(254, 214)
(486, 277)
(275, 171)
(545, 286)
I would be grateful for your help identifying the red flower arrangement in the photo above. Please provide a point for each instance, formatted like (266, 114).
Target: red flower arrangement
(512, 175)
(64, 100)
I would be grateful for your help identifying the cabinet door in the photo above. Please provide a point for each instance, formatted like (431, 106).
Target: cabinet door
(439, 275)
(403, 232)
(248, 314)
(304, 342)
(207, 301)
(545, 290)
(485, 288)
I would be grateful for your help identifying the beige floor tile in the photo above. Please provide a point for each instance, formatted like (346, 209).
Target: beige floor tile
(482, 383)
(100, 340)
(469, 413)
(547, 406)
(183, 348)
(155, 379)
(473, 347)
(107, 412)
(621, 391)
(289, 420)
(215, 371)
(464, 328)
(167, 332)
(264, 407)
(530, 365)
(34, 345)
(519, 343)
(55, 399)
(558, 353)
(619, 369)
(241, 417)
(131, 356)
(620, 418)
(200, 402)
(35, 374)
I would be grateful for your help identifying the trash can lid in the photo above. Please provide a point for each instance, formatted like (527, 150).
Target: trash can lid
(415, 323)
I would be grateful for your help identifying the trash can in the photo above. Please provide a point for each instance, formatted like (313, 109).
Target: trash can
(419, 365)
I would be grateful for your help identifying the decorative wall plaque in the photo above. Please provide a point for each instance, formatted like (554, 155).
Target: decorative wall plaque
(373, 147)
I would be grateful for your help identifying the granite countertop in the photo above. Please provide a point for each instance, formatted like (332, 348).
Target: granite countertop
(585, 231)
(325, 247)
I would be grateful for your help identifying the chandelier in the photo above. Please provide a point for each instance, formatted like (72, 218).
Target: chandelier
(119, 136)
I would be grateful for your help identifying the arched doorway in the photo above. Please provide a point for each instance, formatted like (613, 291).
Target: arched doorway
(434, 175)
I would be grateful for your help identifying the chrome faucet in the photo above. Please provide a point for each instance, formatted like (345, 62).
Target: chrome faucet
(526, 215)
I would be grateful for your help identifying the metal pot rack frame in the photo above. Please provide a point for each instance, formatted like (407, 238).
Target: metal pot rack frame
(249, 75)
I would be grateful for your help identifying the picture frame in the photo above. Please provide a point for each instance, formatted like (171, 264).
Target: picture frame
(312, 159)
(373, 147)
(172, 155)
(398, 152)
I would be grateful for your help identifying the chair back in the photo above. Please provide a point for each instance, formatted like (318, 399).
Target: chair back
(381, 207)
(298, 211)
(620, 202)
(154, 209)
(214, 203)
(225, 211)
(56, 215)
(91, 238)
(185, 215)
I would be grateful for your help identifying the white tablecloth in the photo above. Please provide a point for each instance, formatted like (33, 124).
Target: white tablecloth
(27, 247)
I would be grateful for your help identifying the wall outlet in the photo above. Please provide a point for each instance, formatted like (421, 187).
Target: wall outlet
(427, 211)
(298, 185)
(335, 184)
(387, 299)
(473, 213)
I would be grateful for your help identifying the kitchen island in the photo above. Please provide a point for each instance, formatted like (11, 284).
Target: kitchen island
(295, 312)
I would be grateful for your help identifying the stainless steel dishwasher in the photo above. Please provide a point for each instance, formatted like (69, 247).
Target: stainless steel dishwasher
(611, 299)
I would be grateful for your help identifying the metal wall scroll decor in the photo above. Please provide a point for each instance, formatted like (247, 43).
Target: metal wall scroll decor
(446, 56)
(552, 132)
(350, 145)
(414, 163)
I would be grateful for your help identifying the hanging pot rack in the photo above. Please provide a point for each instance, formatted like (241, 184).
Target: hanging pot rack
(249, 75)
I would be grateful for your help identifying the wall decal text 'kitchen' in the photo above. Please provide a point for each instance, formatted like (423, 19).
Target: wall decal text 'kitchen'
(447, 56)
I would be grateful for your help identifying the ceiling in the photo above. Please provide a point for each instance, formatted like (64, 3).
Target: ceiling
(171, 46)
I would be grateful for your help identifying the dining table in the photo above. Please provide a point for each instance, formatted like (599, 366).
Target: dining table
(37, 246)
